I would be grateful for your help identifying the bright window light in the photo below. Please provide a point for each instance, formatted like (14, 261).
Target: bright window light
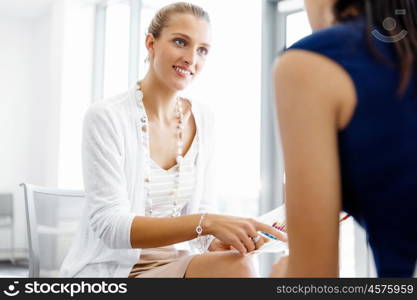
(76, 91)
(116, 49)
(297, 27)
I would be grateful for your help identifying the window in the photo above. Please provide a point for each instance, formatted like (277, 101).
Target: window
(77, 50)
(116, 51)
(297, 27)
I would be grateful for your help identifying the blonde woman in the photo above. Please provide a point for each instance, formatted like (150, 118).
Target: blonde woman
(148, 172)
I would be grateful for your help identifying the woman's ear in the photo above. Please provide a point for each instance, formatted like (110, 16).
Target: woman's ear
(149, 43)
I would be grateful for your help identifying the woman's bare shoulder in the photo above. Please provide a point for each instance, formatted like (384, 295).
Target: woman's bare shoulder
(317, 78)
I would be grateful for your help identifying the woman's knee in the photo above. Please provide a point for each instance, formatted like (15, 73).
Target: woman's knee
(242, 266)
(222, 264)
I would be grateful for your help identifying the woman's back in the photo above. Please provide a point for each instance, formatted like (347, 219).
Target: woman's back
(378, 148)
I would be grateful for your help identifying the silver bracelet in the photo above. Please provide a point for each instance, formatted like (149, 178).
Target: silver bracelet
(202, 240)
(199, 229)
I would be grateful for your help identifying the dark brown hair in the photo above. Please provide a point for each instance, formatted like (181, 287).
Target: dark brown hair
(376, 12)
(162, 17)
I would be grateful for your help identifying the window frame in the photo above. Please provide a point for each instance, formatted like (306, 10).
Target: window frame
(100, 42)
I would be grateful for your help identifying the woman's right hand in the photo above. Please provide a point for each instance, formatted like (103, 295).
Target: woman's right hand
(238, 232)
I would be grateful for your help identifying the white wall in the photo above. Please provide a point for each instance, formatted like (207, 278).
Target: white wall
(45, 87)
(27, 130)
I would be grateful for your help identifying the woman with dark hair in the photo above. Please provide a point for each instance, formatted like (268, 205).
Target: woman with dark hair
(347, 107)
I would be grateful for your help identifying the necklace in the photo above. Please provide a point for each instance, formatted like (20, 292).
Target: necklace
(144, 126)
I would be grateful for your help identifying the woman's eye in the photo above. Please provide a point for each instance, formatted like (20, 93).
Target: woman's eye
(179, 42)
(202, 51)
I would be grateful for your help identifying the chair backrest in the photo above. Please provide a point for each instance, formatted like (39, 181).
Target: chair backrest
(53, 217)
(6, 205)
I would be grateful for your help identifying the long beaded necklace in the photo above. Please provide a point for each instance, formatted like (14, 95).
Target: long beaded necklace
(144, 126)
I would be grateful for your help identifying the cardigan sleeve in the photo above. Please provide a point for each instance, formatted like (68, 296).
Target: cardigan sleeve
(105, 185)
(208, 202)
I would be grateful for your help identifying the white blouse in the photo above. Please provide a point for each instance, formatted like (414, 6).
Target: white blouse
(162, 184)
(113, 171)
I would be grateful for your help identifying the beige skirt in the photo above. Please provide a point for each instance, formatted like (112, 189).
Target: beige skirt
(166, 262)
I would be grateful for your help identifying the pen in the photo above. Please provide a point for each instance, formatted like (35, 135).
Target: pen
(270, 236)
(283, 226)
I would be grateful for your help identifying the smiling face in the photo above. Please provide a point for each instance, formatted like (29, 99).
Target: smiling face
(178, 55)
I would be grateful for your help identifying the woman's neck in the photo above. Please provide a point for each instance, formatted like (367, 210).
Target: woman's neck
(159, 101)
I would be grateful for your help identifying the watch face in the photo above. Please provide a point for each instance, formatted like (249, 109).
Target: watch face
(199, 229)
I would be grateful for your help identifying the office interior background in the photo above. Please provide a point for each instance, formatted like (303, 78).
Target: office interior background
(59, 56)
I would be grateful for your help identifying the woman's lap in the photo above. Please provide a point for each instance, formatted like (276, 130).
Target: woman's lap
(166, 262)
(221, 264)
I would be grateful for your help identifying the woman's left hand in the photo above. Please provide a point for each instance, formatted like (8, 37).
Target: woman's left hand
(218, 245)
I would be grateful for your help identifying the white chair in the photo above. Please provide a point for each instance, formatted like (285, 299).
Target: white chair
(7, 220)
(53, 217)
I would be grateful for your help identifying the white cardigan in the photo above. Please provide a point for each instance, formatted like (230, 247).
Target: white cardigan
(113, 171)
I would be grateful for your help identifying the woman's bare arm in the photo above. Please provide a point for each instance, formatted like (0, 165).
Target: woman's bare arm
(313, 99)
(149, 232)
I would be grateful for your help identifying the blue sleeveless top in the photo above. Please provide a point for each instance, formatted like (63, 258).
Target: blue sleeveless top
(378, 148)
